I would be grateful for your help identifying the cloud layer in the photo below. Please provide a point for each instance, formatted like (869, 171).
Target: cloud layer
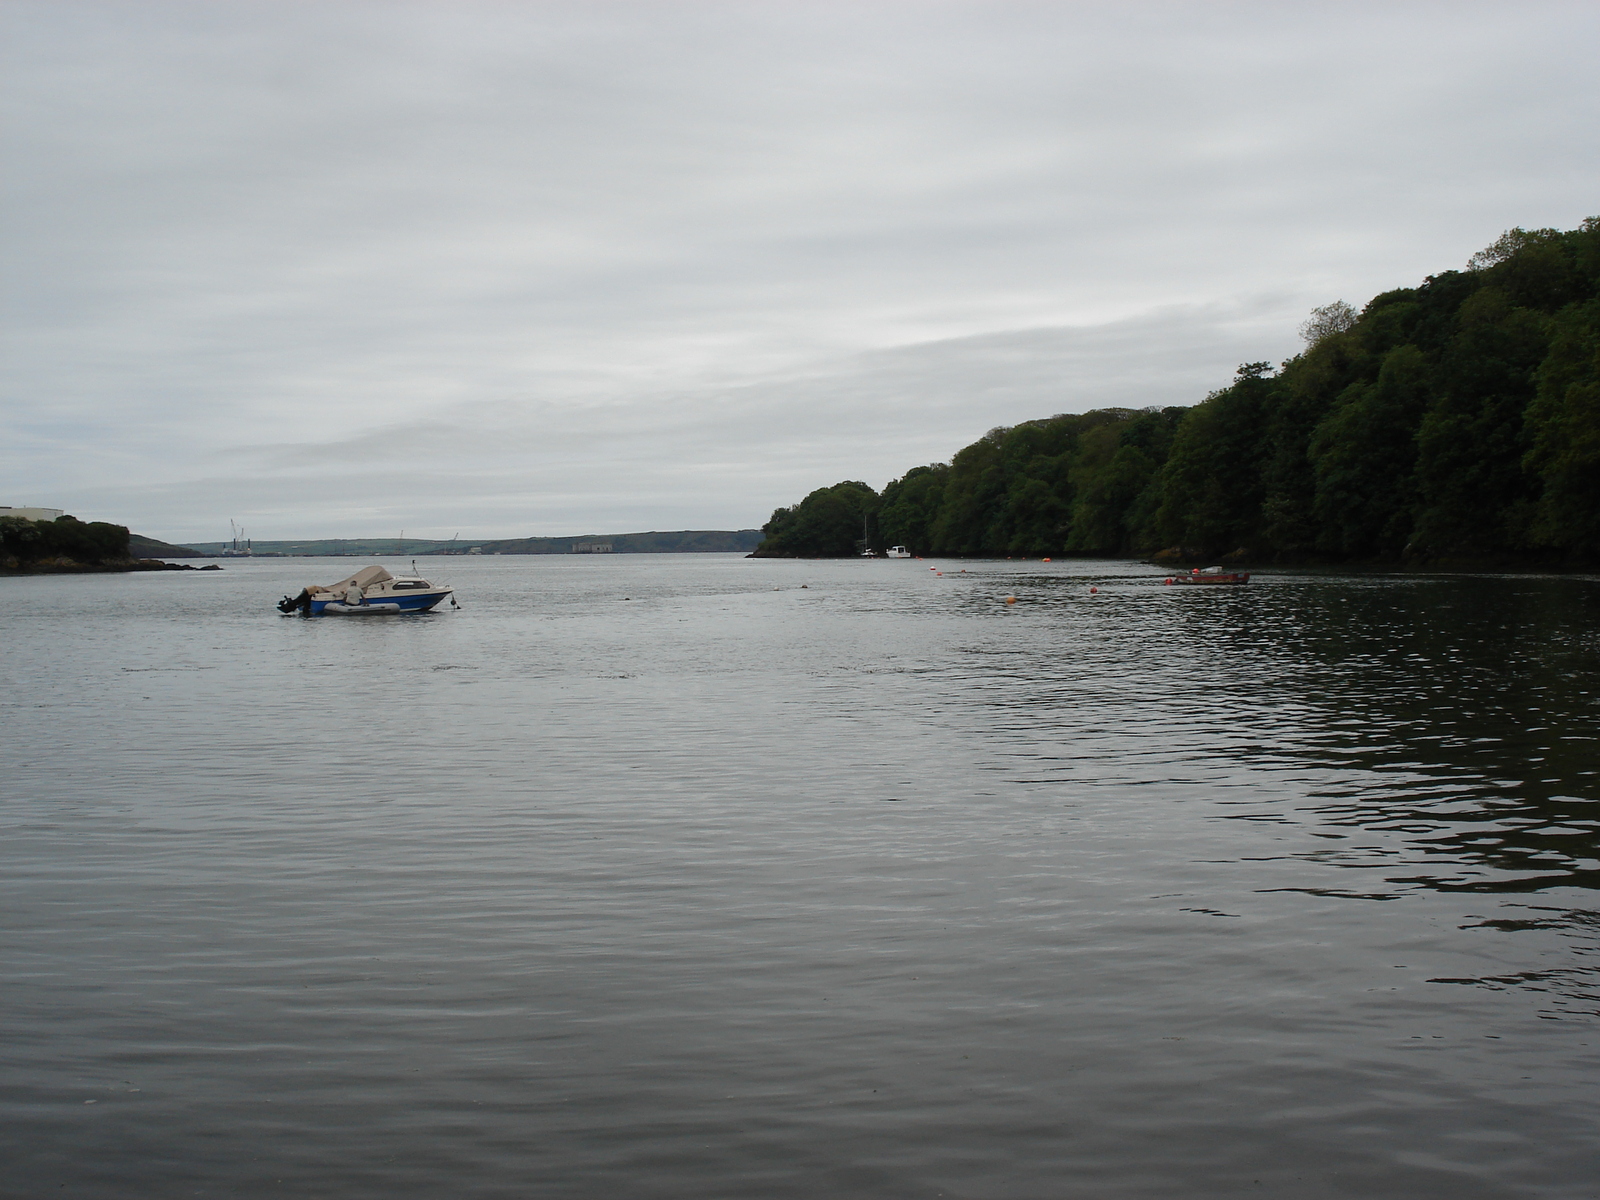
(348, 268)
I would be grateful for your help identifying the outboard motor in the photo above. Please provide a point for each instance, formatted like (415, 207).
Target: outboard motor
(301, 602)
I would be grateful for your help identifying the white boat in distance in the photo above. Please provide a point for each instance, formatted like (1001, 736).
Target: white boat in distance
(897, 552)
(371, 591)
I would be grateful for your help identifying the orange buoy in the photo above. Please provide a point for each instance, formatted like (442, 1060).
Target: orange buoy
(1093, 590)
(1044, 560)
(1011, 599)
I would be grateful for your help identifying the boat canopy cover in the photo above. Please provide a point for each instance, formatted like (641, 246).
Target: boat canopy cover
(363, 579)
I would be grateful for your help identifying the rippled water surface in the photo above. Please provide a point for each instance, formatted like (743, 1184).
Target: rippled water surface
(698, 876)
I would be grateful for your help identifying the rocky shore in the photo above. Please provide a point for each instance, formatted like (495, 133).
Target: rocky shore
(61, 565)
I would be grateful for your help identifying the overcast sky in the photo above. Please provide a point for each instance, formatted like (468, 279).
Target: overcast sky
(337, 269)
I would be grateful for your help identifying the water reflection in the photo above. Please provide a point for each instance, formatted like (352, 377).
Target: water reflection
(1466, 712)
(1429, 734)
(1459, 718)
(881, 886)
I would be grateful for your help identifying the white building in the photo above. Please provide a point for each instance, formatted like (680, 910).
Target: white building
(32, 514)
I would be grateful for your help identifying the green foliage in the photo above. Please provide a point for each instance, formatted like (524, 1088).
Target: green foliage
(1327, 321)
(87, 543)
(911, 507)
(1211, 486)
(829, 523)
(1456, 419)
(1363, 455)
(1564, 434)
(1472, 490)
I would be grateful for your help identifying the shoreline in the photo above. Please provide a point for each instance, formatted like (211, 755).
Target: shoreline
(125, 567)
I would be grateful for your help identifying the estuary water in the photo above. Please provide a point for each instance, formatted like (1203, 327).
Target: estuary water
(694, 876)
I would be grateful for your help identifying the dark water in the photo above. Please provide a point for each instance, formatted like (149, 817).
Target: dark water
(660, 876)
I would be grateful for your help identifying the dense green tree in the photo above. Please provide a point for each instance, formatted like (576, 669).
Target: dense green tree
(831, 522)
(972, 493)
(1564, 435)
(87, 542)
(1307, 389)
(1112, 465)
(911, 506)
(1474, 495)
(1363, 455)
(1211, 486)
(1456, 419)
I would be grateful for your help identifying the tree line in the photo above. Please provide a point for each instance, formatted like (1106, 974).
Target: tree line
(24, 542)
(1456, 420)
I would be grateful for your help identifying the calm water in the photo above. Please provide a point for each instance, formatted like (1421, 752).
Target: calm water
(667, 876)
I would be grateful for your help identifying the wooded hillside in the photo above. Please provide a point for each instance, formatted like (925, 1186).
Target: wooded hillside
(66, 539)
(1454, 421)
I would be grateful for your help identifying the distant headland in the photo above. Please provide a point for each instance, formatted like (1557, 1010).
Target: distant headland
(47, 541)
(683, 541)
(40, 541)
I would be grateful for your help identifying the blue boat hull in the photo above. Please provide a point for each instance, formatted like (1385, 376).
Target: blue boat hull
(408, 602)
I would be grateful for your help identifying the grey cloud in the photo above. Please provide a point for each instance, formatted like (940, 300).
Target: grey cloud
(731, 453)
(563, 234)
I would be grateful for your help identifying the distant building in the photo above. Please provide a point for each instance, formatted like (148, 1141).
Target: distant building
(32, 514)
(591, 547)
(475, 550)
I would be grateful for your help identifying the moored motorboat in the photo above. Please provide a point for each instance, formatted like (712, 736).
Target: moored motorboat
(370, 592)
(897, 552)
(1210, 575)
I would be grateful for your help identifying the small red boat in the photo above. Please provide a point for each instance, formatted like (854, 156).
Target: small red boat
(1210, 575)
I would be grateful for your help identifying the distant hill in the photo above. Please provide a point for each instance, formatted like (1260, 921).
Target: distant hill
(324, 547)
(144, 547)
(684, 541)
